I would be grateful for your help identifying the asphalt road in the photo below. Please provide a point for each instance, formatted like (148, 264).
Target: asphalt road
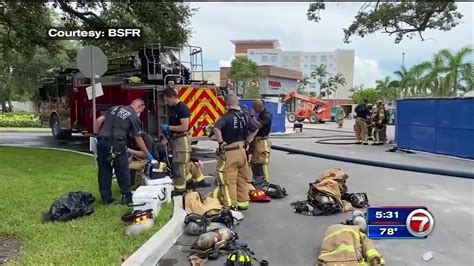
(282, 237)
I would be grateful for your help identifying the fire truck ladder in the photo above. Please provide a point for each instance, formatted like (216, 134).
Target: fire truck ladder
(161, 60)
(195, 61)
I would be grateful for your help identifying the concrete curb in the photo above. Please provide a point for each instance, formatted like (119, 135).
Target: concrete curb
(156, 247)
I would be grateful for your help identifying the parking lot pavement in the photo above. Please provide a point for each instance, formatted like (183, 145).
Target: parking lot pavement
(307, 141)
(282, 237)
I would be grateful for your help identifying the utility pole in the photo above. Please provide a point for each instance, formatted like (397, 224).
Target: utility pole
(403, 59)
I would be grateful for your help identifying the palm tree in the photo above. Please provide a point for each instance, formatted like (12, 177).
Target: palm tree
(403, 85)
(319, 73)
(387, 88)
(302, 83)
(455, 63)
(336, 81)
(433, 82)
(467, 78)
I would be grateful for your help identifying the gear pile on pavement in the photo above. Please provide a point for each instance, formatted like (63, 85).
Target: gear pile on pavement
(329, 195)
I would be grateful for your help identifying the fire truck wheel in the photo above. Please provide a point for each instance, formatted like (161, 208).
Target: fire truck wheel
(291, 117)
(313, 119)
(300, 119)
(56, 130)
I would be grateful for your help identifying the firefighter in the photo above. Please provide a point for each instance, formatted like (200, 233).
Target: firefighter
(370, 123)
(233, 131)
(380, 120)
(137, 161)
(180, 140)
(113, 129)
(340, 117)
(360, 126)
(348, 245)
(260, 146)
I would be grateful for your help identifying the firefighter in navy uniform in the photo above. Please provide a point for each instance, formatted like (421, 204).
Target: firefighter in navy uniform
(360, 126)
(261, 145)
(180, 141)
(233, 131)
(113, 129)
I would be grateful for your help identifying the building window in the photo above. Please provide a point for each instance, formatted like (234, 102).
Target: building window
(313, 58)
(313, 67)
(330, 57)
(330, 65)
(296, 67)
(296, 58)
(305, 57)
(286, 59)
(306, 66)
(273, 58)
(264, 58)
(324, 58)
(312, 85)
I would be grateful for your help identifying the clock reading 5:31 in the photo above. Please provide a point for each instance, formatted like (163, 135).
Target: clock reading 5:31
(386, 214)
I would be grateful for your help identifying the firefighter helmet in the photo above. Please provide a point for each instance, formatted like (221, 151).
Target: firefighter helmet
(274, 190)
(258, 195)
(207, 240)
(238, 257)
(359, 200)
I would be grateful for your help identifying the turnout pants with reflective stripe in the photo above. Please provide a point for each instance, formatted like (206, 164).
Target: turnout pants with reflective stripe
(181, 150)
(260, 159)
(360, 129)
(232, 178)
(194, 172)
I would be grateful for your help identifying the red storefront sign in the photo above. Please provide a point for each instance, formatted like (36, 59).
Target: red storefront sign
(274, 84)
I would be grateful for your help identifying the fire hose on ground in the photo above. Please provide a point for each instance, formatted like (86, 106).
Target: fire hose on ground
(331, 139)
(411, 168)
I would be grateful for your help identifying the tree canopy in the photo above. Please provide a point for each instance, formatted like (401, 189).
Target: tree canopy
(368, 93)
(24, 24)
(26, 50)
(242, 72)
(447, 74)
(403, 19)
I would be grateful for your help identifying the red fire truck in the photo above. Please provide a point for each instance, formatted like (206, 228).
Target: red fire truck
(67, 108)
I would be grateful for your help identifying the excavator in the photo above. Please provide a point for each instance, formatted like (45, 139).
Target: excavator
(312, 108)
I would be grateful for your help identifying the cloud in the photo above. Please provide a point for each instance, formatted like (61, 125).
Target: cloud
(215, 24)
(226, 63)
(366, 72)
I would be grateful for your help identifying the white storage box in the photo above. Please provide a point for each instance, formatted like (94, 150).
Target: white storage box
(149, 197)
(165, 182)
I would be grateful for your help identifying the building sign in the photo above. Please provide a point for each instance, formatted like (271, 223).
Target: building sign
(254, 83)
(274, 84)
(253, 53)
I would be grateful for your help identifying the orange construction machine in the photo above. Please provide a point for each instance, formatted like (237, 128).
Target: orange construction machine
(312, 108)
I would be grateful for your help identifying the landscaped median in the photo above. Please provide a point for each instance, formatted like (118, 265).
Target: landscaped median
(31, 179)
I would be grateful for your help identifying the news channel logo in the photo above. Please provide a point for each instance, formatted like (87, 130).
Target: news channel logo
(420, 223)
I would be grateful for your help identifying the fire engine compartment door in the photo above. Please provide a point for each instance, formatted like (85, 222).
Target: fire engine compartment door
(205, 111)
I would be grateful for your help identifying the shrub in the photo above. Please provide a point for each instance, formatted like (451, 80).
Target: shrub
(19, 121)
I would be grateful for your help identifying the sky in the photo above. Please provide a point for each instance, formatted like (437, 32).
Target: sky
(376, 56)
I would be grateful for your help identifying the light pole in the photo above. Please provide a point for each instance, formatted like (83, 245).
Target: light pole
(403, 59)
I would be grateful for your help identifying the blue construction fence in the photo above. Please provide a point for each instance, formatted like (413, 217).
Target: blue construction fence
(276, 109)
(436, 125)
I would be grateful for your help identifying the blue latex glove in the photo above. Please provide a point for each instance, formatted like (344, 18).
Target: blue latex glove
(149, 157)
(165, 128)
